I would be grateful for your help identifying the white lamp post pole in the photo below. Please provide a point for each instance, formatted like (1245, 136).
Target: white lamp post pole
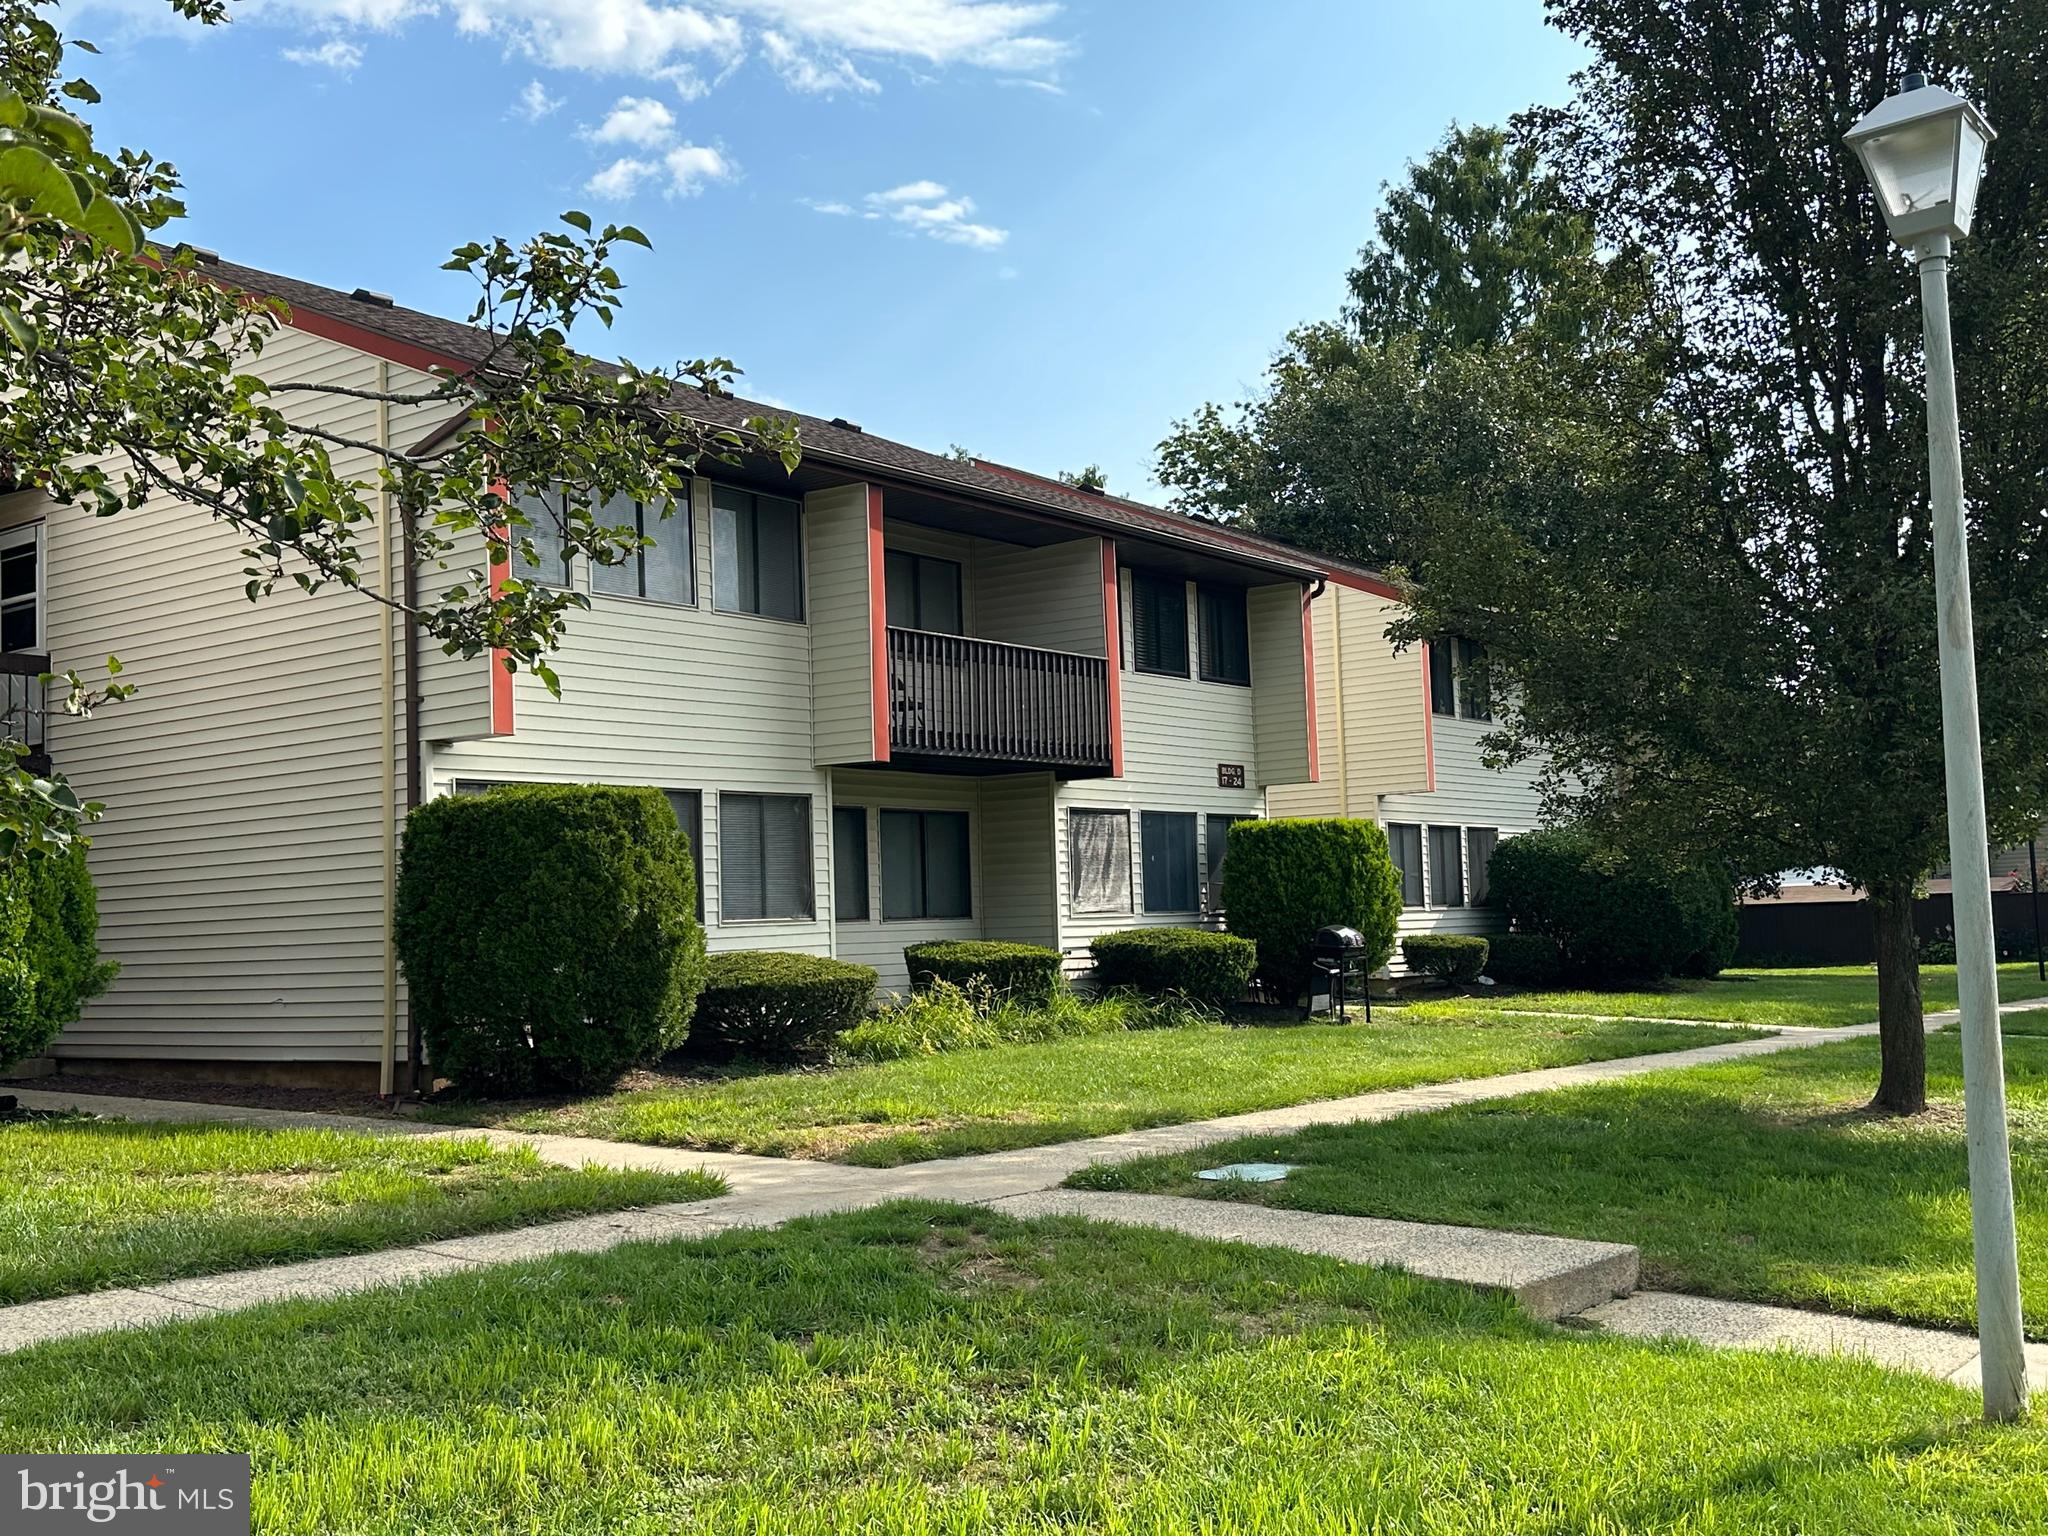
(1924, 150)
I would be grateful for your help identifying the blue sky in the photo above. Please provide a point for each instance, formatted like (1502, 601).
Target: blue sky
(1043, 231)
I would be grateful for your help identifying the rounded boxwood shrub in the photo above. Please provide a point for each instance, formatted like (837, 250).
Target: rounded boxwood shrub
(1614, 918)
(764, 1002)
(1524, 960)
(1195, 963)
(1290, 876)
(548, 934)
(1027, 973)
(1449, 957)
(52, 942)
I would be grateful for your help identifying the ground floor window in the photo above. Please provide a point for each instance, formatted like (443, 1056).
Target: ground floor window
(688, 804)
(1404, 842)
(764, 857)
(1446, 868)
(1217, 837)
(850, 863)
(1169, 847)
(926, 869)
(1099, 860)
(1479, 845)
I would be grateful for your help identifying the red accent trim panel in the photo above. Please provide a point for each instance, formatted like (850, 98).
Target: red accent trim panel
(372, 342)
(1364, 584)
(1112, 646)
(1308, 685)
(501, 675)
(1428, 723)
(878, 626)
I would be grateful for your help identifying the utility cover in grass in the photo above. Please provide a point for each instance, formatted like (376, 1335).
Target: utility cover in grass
(1251, 1173)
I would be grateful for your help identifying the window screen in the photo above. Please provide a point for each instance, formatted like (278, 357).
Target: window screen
(1404, 842)
(1479, 846)
(924, 593)
(925, 869)
(1159, 624)
(1226, 638)
(1217, 837)
(20, 591)
(1443, 697)
(1475, 696)
(1099, 860)
(544, 528)
(764, 857)
(688, 804)
(756, 554)
(1169, 839)
(850, 863)
(660, 572)
(1446, 867)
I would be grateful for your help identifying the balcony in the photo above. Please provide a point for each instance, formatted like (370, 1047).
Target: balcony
(983, 702)
(23, 705)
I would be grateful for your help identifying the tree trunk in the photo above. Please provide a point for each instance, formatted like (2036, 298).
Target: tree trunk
(1901, 1033)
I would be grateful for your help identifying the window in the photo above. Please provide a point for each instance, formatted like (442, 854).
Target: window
(688, 804)
(21, 609)
(1217, 836)
(764, 857)
(1475, 697)
(660, 572)
(924, 593)
(544, 528)
(757, 561)
(1099, 860)
(1446, 868)
(478, 786)
(1479, 846)
(1443, 695)
(1169, 839)
(1226, 637)
(1159, 624)
(1404, 842)
(850, 863)
(924, 865)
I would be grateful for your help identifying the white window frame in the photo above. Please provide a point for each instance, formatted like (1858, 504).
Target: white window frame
(684, 518)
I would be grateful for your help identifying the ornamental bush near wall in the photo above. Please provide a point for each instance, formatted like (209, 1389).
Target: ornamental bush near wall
(1452, 958)
(1290, 876)
(1202, 966)
(50, 940)
(763, 1002)
(1524, 960)
(1025, 973)
(548, 934)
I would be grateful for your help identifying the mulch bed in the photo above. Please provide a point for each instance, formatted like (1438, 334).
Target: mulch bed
(327, 1101)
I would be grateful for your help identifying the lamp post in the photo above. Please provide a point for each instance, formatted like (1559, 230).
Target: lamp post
(1924, 152)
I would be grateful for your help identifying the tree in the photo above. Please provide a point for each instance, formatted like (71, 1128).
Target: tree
(131, 375)
(1090, 479)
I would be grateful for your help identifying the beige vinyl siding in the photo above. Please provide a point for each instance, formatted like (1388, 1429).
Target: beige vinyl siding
(1279, 683)
(1372, 720)
(240, 862)
(455, 690)
(1020, 879)
(878, 942)
(842, 636)
(680, 698)
(1050, 597)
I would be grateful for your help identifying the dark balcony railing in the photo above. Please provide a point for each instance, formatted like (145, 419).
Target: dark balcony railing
(951, 696)
(22, 701)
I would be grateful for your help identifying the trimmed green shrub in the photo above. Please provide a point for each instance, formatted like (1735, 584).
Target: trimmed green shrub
(54, 956)
(1289, 877)
(1454, 958)
(763, 1002)
(1613, 918)
(1195, 963)
(548, 934)
(1524, 960)
(1027, 972)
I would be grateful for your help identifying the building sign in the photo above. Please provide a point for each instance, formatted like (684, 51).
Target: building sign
(1230, 775)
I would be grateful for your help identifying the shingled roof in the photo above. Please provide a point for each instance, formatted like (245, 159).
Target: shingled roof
(831, 442)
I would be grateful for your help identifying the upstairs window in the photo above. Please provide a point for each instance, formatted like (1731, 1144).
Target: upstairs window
(757, 563)
(21, 589)
(543, 530)
(661, 572)
(1159, 624)
(1443, 693)
(1458, 679)
(924, 592)
(1226, 648)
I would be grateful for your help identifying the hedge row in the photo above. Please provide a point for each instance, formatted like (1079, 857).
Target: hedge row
(1194, 963)
(1025, 973)
(1611, 917)
(1449, 957)
(768, 1003)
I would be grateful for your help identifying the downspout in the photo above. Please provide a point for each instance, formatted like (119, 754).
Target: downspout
(414, 764)
(387, 1063)
(1337, 688)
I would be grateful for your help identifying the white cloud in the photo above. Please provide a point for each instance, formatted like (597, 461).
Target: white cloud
(535, 103)
(909, 192)
(621, 179)
(925, 208)
(336, 54)
(687, 168)
(637, 120)
(816, 76)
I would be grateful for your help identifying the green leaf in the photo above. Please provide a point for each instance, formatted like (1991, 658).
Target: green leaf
(629, 233)
(580, 220)
(81, 90)
(27, 175)
(18, 330)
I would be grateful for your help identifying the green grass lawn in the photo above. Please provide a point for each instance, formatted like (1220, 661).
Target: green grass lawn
(91, 1203)
(1823, 997)
(972, 1101)
(1761, 1179)
(925, 1369)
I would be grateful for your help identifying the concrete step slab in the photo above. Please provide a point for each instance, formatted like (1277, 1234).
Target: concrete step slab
(1549, 1277)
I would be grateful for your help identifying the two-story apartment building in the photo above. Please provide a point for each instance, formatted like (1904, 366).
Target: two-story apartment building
(893, 696)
